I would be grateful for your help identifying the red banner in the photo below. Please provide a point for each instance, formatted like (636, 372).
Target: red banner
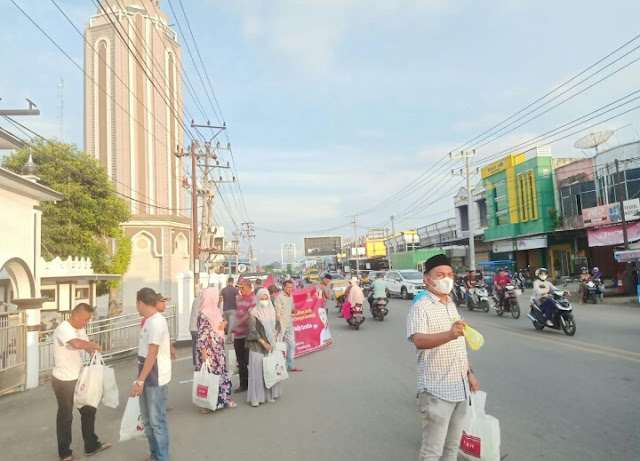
(310, 321)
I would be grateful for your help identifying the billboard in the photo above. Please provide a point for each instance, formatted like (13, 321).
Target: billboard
(609, 214)
(322, 246)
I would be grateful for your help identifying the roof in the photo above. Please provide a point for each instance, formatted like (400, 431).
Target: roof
(79, 277)
(13, 182)
(9, 140)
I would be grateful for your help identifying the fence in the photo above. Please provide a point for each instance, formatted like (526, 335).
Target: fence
(118, 337)
(13, 333)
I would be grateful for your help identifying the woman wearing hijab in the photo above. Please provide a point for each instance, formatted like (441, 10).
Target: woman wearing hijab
(264, 329)
(210, 344)
(356, 296)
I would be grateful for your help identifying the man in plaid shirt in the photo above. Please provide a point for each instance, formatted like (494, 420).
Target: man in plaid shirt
(445, 375)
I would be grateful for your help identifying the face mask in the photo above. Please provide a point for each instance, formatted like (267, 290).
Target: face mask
(444, 285)
(543, 277)
(264, 303)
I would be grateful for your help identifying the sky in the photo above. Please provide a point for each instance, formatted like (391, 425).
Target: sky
(350, 107)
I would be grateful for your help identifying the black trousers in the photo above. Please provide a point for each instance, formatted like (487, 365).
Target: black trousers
(242, 356)
(64, 395)
(194, 340)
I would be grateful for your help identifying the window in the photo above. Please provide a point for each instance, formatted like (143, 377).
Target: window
(532, 198)
(82, 293)
(522, 199)
(482, 209)
(49, 294)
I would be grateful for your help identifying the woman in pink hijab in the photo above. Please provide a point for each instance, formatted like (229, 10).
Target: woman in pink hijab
(210, 344)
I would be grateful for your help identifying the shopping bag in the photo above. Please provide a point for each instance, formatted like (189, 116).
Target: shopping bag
(474, 339)
(110, 394)
(274, 369)
(132, 426)
(206, 387)
(481, 432)
(346, 310)
(232, 362)
(88, 391)
(281, 345)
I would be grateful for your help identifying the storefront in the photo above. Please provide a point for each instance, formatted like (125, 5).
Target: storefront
(603, 242)
(632, 256)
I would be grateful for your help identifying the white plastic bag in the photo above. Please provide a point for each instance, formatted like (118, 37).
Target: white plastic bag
(110, 394)
(206, 387)
(481, 434)
(232, 362)
(88, 390)
(274, 369)
(132, 426)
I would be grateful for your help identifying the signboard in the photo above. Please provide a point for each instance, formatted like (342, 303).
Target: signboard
(376, 234)
(310, 321)
(532, 243)
(612, 235)
(322, 246)
(609, 214)
(361, 251)
(503, 246)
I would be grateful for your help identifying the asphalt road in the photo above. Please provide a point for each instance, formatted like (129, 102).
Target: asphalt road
(557, 398)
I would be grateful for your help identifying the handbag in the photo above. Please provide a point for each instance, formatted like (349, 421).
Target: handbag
(481, 432)
(206, 387)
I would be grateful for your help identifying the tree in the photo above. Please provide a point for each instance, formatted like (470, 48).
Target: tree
(87, 222)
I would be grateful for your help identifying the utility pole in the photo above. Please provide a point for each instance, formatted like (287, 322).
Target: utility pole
(472, 229)
(249, 232)
(393, 225)
(12, 112)
(236, 248)
(355, 243)
(621, 200)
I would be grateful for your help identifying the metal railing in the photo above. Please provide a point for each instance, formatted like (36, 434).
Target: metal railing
(118, 336)
(13, 333)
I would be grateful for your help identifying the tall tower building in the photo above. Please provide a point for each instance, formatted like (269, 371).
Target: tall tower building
(133, 126)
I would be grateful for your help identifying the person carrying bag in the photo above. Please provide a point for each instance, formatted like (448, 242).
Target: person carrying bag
(206, 387)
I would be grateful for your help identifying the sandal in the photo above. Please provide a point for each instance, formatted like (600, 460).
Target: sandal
(206, 411)
(68, 458)
(103, 446)
(231, 405)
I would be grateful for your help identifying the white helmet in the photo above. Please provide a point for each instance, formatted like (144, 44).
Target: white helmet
(540, 270)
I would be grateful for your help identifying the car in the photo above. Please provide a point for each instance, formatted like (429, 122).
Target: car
(404, 283)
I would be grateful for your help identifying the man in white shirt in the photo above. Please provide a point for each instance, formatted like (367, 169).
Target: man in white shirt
(284, 308)
(69, 339)
(154, 373)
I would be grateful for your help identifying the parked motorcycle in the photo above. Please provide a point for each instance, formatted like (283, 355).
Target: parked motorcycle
(479, 298)
(509, 302)
(357, 317)
(562, 318)
(379, 309)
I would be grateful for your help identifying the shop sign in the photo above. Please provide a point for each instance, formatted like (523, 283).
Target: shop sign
(532, 243)
(503, 246)
(609, 214)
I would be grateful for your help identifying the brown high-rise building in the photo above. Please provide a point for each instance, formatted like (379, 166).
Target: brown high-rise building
(133, 126)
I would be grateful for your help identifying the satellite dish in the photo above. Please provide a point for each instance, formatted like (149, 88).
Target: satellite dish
(242, 268)
(593, 140)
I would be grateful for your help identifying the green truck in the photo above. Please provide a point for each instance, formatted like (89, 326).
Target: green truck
(412, 259)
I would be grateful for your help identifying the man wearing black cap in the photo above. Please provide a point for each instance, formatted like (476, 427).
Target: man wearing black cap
(444, 373)
(154, 373)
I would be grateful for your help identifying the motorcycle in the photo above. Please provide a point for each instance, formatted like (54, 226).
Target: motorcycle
(562, 318)
(590, 291)
(357, 317)
(523, 278)
(379, 308)
(366, 288)
(479, 298)
(509, 302)
(458, 294)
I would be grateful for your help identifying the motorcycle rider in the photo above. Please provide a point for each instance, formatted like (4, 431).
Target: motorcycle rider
(470, 282)
(378, 289)
(541, 288)
(583, 278)
(500, 280)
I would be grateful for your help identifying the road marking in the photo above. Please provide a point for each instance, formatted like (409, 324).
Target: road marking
(578, 345)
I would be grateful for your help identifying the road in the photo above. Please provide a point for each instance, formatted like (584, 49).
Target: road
(557, 398)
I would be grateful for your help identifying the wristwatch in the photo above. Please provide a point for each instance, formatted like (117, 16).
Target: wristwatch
(139, 383)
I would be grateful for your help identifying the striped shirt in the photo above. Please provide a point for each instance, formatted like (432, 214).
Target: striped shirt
(442, 371)
(244, 305)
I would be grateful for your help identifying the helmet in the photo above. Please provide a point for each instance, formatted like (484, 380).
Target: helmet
(583, 269)
(540, 270)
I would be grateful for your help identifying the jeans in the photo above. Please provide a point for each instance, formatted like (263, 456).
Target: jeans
(194, 340)
(290, 339)
(64, 395)
(547, 309)
(242, 356)
(442, 423)
(230, 317)
(153, 404)
(468, 297)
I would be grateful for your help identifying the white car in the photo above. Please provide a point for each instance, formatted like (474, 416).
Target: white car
(404, 283)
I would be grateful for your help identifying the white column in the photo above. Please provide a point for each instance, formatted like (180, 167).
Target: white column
(184, 300)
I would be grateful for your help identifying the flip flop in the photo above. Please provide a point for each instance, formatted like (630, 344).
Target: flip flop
(102, 447)
(295, 369)
(231, 405)
(206, 411)
(68, 458)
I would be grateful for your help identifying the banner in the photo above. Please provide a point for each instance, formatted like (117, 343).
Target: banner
(310, 321)
(612, 235)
